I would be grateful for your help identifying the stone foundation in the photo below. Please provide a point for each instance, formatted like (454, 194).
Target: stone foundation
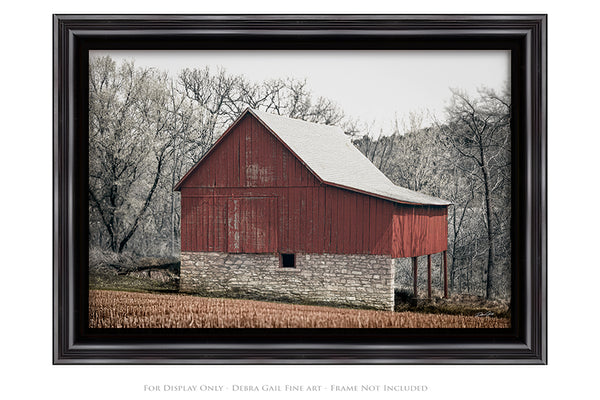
(355, 280)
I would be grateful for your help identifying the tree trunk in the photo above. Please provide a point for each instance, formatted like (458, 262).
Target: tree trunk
(489, 286)
(140, 213)
(172, 210)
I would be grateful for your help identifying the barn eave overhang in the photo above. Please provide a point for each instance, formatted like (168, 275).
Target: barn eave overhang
(392, 199)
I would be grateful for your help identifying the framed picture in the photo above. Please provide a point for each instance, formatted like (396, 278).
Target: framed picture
(300, 189)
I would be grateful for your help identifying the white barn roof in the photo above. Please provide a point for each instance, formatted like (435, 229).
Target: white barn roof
(332, 157)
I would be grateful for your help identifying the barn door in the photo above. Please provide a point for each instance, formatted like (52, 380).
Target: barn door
(252, 225)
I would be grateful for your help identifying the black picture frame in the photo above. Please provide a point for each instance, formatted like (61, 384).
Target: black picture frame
(524, 343)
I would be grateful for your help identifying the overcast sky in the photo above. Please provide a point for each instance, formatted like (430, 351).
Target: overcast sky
(373, 86)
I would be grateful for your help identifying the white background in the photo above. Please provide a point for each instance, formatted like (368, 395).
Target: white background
(26, 167)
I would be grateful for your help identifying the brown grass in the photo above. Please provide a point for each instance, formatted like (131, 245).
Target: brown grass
(112, 309)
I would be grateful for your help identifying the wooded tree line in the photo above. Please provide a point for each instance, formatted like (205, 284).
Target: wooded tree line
(146, 129)
(465, 159)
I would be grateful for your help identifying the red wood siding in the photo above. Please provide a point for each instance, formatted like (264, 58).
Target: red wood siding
(419, 230)
(250, 156)
(251, 224)
(204, 224)
(312, 219)
(251, 194)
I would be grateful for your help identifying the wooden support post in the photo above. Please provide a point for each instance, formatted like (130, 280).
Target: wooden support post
(441, 268)
(445, 275)
(429, 276)
(415, 277)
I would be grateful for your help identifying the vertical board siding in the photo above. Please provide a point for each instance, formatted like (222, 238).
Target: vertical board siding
(251, 194)
(233, 226)
(251, 225)
(250, 156)
(419, 230)
(311, 219)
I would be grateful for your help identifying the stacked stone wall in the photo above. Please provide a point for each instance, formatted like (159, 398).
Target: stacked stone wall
(354, 280)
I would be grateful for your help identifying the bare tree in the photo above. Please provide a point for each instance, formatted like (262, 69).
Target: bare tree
(214, 93)
(478, 129)
(127, 144)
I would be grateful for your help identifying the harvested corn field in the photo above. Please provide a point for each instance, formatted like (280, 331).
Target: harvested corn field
(113, 309)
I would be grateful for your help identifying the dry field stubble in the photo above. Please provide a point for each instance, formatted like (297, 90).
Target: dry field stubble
(113, 309)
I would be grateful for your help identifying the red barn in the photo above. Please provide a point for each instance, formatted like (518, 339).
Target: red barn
(287, 209)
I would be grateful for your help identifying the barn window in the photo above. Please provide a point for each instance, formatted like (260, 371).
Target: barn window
(288, 260)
